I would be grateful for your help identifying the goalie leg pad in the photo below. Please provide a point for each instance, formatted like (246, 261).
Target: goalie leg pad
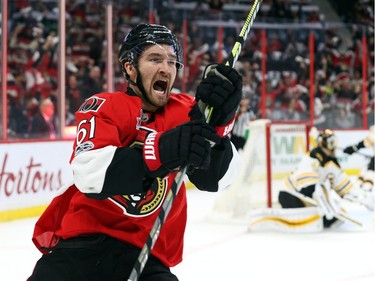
(291, 220)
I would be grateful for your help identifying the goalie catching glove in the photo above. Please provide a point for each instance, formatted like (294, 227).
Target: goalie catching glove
(360, 196)
(186, 145)
(221, 89)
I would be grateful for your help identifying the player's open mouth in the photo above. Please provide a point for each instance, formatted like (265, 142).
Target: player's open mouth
(160, 86)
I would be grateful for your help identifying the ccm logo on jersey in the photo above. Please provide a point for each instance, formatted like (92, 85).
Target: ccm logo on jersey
(91, 104)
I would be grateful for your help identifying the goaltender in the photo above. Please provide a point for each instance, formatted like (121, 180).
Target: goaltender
(318, 194)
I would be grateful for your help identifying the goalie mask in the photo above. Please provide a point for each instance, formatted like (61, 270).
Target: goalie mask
(327, 139)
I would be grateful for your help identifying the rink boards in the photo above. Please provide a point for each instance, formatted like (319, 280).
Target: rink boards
(32, 173)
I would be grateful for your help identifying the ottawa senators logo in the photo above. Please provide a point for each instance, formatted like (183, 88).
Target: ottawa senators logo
(91, 104)
(144, 204)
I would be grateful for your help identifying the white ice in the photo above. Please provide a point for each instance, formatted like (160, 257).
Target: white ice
(217, 252)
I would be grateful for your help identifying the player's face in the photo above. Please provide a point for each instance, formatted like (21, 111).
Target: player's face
(158, 69)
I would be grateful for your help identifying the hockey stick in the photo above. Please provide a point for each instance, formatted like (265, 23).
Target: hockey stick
(236, 50)
(359, 153)
(154, 233)
(314, 203)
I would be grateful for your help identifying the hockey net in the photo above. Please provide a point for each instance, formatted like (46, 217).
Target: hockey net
(271, 151)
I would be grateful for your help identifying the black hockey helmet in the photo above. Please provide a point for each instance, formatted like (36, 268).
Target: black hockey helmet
(327, 139)
(143, 35)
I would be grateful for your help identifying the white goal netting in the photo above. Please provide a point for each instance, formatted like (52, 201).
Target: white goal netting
(271, 151)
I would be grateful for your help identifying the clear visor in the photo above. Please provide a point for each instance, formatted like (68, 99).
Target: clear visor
(164, 56)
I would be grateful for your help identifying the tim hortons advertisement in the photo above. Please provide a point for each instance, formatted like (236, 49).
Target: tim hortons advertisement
(31, 174)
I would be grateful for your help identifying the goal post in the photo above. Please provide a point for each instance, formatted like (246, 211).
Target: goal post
(272, 150)
(286, 144)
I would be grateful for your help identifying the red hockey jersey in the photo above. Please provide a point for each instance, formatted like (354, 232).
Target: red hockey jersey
(106, 122)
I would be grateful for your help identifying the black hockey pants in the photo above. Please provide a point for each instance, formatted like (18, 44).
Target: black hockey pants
(96, 258)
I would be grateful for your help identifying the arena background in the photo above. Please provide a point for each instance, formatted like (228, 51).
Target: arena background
(316, 57)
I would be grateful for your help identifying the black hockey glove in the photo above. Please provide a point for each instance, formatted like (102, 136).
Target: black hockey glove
(187, 144)
(221, 88)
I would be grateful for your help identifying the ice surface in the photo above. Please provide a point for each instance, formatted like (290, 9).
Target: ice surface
(218, 252)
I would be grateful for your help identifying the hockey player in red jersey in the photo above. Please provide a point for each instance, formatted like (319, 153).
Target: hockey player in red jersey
(128, 149)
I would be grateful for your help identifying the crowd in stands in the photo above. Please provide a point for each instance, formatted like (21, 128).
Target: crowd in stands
(33, 56)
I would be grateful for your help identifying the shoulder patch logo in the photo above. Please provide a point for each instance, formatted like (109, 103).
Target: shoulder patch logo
(91, 104)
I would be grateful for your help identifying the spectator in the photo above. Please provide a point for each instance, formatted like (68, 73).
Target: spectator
(243, 118)
(92, 84)
(73, 93)
(17, 120)
(291, 113)
(70, 119)
(345, 119)
(345, 90)
(44, 124)
(319, 115)
(276, 113)
(281, 10)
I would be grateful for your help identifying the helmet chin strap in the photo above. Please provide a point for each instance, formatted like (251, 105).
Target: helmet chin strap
(139, 84)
